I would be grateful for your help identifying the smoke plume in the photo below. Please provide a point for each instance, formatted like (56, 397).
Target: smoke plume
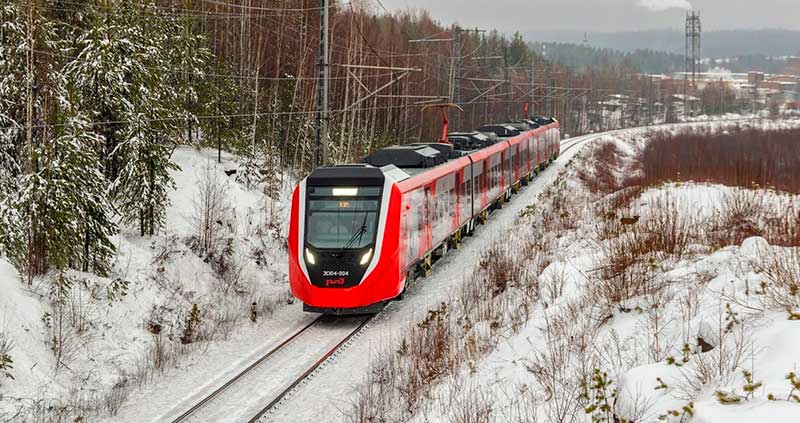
(660, 5)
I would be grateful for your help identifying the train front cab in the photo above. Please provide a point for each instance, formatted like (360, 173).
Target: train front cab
(343, 241)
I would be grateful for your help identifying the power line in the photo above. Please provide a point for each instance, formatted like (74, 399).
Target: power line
(240, 115)
(268, 9)
(215, 75)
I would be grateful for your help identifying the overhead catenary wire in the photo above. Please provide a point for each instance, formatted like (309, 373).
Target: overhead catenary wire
(207, 74)
(268, 9)
(230, 116)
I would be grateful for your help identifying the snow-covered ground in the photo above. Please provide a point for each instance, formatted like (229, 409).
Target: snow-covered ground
(709, 339)
(167, 278)
(106, 324)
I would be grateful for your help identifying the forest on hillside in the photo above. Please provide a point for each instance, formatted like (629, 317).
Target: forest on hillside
(584, 56)
(95, 95)
(715, 44)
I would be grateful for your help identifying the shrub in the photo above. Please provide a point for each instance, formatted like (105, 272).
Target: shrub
(6, 363)
(781, 270)
(210, 213)
(606, 159)
(735, 157)
(190, 327)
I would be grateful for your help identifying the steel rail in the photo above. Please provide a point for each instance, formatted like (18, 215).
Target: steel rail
(275, 401)
(190, 412)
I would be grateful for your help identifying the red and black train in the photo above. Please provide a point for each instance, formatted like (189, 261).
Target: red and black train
(360, 233)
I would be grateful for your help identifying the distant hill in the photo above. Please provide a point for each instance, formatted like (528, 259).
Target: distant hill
(580, 56)
(649, 61)
(715, 44)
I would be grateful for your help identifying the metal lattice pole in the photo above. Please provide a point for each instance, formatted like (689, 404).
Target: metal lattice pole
(323, 71)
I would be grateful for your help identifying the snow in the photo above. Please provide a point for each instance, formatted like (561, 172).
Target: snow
(186, 278)
(165, 277)
(768, 343)
(21, 321)
(332, 388)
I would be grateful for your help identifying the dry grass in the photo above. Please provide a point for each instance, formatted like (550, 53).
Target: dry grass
(6, 362)
(494, 301)
(781, 270)
(632, 247)
(755, 212)
(735, 157)
(602, 177)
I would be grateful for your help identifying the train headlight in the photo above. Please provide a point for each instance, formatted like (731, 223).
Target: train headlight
(345, 192)
(310, 257)
(365, 258)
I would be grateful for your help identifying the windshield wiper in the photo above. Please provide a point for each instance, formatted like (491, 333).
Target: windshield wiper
(357, 235)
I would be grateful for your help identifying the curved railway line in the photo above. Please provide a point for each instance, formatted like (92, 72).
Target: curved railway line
(270, 364)
(283, 368)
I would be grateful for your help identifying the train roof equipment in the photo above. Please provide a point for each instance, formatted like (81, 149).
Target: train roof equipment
(523, 124)
(445, 123)
(543, 120)
(501, 130)
(467, 141)
(445, 149)
(410, 156)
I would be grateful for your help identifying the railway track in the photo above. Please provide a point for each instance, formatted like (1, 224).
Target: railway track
(272, 379)
(226, 397)
(255, 391)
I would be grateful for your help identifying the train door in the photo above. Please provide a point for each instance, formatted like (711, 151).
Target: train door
(539, 149)
(515, 163)
(467, 204)
(523, 159)
(415, 208)
(459, 197)
(505, 167)
(444, 207)
(428, 215)
(532, 152)
(486, 178)
(477, 190)
(406, 213)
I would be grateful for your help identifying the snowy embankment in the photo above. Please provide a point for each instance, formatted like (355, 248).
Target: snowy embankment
(120, 334)
(665, 303)
(166, 277)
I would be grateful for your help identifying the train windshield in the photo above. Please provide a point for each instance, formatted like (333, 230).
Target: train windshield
(342, 217)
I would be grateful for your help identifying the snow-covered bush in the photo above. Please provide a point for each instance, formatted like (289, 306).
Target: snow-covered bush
(651, 298)
(210, 213)
(781, 270)
(6, 363)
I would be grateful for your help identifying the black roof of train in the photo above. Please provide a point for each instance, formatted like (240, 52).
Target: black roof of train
(426, 155)
(501, 130)
(355, 174)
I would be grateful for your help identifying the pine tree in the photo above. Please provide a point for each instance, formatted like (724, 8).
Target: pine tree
(108, 71)
(12, 88)
(63, 203)
(26, 69)
(141, 189)
(186, 51)
(223, 131)
(124, 73)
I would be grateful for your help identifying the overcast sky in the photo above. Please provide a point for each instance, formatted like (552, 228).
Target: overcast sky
(608, 15)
